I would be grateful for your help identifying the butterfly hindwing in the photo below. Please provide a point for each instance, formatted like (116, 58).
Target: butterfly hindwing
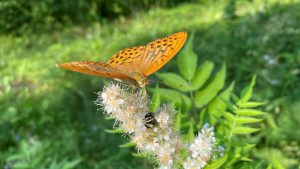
(95, 68)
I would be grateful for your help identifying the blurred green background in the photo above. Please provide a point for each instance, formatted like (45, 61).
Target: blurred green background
(48, 117)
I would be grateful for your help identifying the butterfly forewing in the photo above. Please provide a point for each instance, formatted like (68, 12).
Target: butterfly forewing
(127, 60)
(95, 68)
(159, 52)
(148, 59)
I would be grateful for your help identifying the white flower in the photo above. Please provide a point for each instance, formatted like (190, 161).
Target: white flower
(201, 149)
(112, 99)
(193, 164)
(164, 116)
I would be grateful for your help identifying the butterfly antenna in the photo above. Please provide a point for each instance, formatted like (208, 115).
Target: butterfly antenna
(157, 81)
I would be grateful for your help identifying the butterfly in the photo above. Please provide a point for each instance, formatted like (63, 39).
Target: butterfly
(133, 64)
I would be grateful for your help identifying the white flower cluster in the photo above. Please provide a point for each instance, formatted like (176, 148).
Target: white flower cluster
(154, 134)
(128, 109)
(200, 150)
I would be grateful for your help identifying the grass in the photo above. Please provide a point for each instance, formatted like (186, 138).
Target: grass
(43, 104)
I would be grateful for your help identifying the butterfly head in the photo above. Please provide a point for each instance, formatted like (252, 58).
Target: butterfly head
(140, 79)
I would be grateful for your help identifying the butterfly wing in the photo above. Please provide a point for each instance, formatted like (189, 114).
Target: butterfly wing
(148, 59)
(159, 52)
(95, 68)
(127, 60)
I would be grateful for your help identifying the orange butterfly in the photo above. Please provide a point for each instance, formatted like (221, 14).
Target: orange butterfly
(133, 64)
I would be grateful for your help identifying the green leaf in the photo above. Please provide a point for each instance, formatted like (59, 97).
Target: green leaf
(217, 163)
(244, 130)
(229, 116)
(230, 105)
(277, 164)
(190, 135)
(109, 118)
(178, 120)
(233, 159)
(187, 59)
(269, 166)
(250, 112)
(187, 102)
(205, 95)
(217, 106)
(174, 81)
(155, 100)
(202, 118)
(247, 147)
(247, 92)
(170, 95)
(115, 131)
(244, 158)
(71, 164)
(129, 144)
(247, 120)
(140, 155)
(174, 96)
(21, 165)
(234, 97)
(251, 104)
(202, 75)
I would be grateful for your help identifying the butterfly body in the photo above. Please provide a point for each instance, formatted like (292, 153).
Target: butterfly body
(133, 64)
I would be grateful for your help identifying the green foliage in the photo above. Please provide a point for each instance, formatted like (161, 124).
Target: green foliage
(187, 60)
(20, 15)
(202, 75)
(30, 155)
(205, 95)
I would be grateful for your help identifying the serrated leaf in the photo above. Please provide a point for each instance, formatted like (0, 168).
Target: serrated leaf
(129, 144)
(170, 95)
(244, 130)
(205, 95)
(247, 120)
(251, 104)
(174, 81)
(202, 74)
(115, 131)
(155, 100)
(187, 59)
(229, 116)
(250, 112)
(247, 92)
(217, 106)
(217, 163)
